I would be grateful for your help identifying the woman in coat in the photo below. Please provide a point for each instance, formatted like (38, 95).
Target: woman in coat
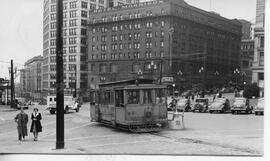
(22, 120)
(36, 125)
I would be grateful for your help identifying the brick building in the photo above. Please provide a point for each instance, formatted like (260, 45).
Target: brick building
(247, 56)
(182, 41)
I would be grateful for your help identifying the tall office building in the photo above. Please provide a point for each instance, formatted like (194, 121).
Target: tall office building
(258, 63)
(74, 39)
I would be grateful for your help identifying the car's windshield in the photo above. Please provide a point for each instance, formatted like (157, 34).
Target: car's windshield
(220, 100)
(240, 101)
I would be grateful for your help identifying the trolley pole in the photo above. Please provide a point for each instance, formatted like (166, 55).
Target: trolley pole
(59, 78)
(12, 103)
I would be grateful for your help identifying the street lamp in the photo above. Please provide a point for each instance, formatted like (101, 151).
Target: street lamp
(236, 71)
(216, 74)
(152, 66)
(179, 73)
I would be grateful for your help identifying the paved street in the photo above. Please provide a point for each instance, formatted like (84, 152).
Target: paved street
(205, 134)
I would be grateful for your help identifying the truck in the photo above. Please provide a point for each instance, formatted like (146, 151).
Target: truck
(70, 103)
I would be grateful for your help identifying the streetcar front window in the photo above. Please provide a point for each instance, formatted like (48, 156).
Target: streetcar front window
(133, 96)
(160, 95)
(119, 98)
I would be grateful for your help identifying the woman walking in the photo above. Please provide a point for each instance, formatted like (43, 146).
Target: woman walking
(36, 125)
(22, 120)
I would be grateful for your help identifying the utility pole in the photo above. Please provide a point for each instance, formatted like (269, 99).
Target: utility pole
(59, 78)
(12, 105)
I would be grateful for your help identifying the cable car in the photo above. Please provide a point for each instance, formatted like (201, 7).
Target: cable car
(133, 105)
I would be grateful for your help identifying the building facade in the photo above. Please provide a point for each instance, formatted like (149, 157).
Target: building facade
(74, 40)
(258, 63)
(31, 78)
(246, 29)
(161, 39)
(246, 60)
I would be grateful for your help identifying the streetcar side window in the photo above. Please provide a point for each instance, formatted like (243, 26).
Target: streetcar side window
(133, 96)
(119, 98)
(147, 97)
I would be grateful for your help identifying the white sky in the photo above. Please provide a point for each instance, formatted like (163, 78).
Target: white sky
(21, 25)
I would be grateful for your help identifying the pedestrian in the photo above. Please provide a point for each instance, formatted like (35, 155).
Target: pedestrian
(21, 119)
(36, 125)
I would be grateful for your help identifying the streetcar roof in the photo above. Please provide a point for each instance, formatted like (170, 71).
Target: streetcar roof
(125, 82)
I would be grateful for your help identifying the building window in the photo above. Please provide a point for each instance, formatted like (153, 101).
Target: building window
(136, 55)
(72, 32)
(72, 13)
(149, 24)
(83, 31)
(103, 38)
(136, 45)
(261, 59)
(103, 56)
(52, 50)
(148, 45)
(53, 8)
(72, 49)
(72, 4)
(149, 34)
(84, 22)
(93, 6)
(103, 47)
(84, 4)
(84, 13)
(72, 23)
(162, 44)
(72, 67)
(72, 58)
(262, 42)
(52, 42)
(53, 16)
(53, 25)
(162, 33)
(102, 68)
(52, 59)
(114, 28)
(72, 40)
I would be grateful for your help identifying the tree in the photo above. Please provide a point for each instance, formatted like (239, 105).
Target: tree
(251, 90)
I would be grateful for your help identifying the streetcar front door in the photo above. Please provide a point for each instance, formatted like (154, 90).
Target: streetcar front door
(119, 106)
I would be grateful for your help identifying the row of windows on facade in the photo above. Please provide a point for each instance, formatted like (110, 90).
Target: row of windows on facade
(71, 58)
(66, 32)
(113, 68)
(71, 67)
(69, 23)
(122, 37)
(71, 49)
(126, 26)
(71, 14)
(134, 55)
(121, 17)
(71, 41)
(136, 45)
(72, 5)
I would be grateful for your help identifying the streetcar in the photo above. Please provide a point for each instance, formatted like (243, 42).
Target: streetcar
(133, 105)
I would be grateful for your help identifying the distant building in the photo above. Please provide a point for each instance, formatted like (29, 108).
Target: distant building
(247, 56)
(186, 43)
(4, 91)
(23, 83)
(246, 29)
(258, 63)
(32, 77)
(75, 13)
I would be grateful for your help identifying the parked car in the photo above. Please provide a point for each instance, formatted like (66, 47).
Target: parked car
(183, 105)
(220, 105)
(201, 105)
(241, 105)
(21, 103)
(259, 108)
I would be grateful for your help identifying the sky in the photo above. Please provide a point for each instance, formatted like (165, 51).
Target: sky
(21, 26)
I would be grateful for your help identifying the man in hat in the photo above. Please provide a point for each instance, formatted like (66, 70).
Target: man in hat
(22, 120)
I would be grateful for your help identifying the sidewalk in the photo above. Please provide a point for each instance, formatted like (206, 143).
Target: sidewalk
(6, 108)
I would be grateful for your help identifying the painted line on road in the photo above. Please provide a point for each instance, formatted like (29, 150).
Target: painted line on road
(2, 119)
